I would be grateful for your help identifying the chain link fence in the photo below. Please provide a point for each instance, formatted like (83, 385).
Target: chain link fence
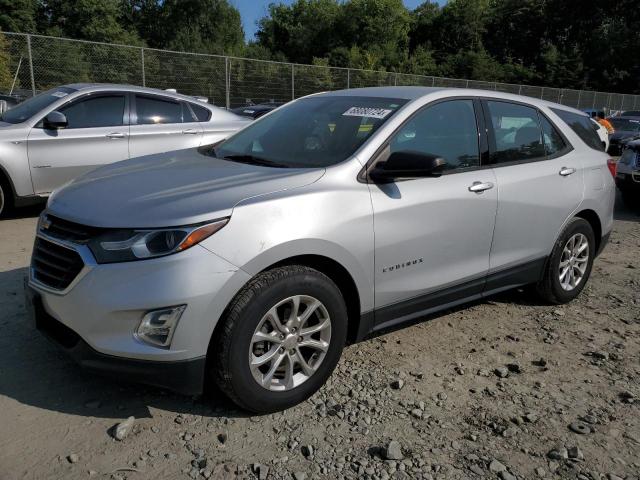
(35, 63)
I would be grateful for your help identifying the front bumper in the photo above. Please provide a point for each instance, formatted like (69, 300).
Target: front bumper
(94, 319)
(185, 376)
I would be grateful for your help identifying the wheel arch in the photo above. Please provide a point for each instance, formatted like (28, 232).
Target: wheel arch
(340, 276)
(594, 220)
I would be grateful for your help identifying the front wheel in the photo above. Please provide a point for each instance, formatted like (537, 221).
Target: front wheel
(280, 340)
(569, 265)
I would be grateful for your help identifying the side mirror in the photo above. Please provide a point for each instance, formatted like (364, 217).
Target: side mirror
(408, 164)
(55, 120)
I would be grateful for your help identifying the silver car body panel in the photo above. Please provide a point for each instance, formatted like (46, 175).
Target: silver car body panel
(438, 233)
(37, 161)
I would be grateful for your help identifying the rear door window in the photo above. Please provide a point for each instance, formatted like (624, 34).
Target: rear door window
(554, 144)
(582, 126)
(156, 110)
(94, 112)
(516, 133)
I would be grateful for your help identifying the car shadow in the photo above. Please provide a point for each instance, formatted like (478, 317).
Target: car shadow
(35, 372)
(30, 211)
(624, 212)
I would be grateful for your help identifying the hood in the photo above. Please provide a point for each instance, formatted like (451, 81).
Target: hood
(169, 189)
(621, 134)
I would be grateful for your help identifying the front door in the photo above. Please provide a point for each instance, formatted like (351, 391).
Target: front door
(433, 235)
(96, 134)
(162, 124)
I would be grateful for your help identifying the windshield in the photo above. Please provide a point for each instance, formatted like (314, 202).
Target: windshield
(27, 109)
(311, 132)
(626, 124)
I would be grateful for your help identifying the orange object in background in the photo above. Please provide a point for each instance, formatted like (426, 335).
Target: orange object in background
(606, 124)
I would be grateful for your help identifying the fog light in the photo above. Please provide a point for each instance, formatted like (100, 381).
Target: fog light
(157, 326)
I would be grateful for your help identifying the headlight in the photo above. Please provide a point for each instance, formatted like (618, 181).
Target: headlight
(127, 245)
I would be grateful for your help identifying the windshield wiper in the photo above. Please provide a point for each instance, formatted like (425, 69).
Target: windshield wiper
(253, 160)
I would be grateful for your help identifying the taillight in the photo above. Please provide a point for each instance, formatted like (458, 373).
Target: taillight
(612, 165)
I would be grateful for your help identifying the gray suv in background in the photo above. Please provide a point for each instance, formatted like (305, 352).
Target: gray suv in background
(249, 264)
(69, 130)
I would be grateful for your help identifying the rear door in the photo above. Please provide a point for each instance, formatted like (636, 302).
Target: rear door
(540, 184)
(97, 134)
(161, 124)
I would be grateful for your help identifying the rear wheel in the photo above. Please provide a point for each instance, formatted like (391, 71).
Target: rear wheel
(281, 339)
(569, 266)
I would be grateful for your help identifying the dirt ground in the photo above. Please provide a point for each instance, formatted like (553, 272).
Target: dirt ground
(494, 389)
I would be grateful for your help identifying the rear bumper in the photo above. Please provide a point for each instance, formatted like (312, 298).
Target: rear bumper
(182, 376)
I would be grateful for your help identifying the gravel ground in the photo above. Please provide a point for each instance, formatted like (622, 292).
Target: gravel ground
(506, 388)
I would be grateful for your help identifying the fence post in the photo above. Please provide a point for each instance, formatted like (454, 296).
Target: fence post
(227, 83)
(560, 95)
(33, 82)
(293, 81)
(579, 96)
(635, 100)
(348, 78)
(542, 93)
(144, 83)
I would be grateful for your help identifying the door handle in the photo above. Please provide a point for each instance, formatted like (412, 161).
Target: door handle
(566, 171)
(479, 187)
(115, 135)
(190, 131)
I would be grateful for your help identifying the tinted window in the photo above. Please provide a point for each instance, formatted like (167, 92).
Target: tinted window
(103, 111)
(582, 126)
(311, 132)
(447, 130)
(516, 133)
(553, 142)
(202, 114)
(626, 124)
(153, 110)
(27, 109)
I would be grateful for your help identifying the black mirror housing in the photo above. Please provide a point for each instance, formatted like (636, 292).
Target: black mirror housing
(55, 120)
(409, 164)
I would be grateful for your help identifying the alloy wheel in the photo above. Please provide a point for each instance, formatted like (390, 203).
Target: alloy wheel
(573, 261)
(289, 343)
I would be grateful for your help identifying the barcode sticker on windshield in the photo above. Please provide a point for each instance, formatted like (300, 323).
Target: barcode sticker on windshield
(59, 94)
(367, 112)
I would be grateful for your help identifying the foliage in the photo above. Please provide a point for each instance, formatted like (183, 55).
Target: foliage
(582, 44)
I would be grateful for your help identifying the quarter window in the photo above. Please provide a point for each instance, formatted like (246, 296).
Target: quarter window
(582, 126)
(102, 111)
(447, 129)
(153, 110)
(516, 133)
(202, 114)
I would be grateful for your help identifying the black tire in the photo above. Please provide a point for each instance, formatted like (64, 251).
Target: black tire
(231, 370)
(549, 287)
(6, 197)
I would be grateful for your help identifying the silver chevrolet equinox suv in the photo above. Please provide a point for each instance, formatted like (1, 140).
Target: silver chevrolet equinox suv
(250, 263)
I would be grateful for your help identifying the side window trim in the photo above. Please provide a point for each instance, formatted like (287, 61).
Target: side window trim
(383, 152)
(134, 110)
(491, 134)
(86, 96)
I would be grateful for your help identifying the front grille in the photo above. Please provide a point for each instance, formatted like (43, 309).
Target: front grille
(69, 231)
(53, 265)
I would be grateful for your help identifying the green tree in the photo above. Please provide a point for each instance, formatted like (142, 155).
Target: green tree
(18, 16)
